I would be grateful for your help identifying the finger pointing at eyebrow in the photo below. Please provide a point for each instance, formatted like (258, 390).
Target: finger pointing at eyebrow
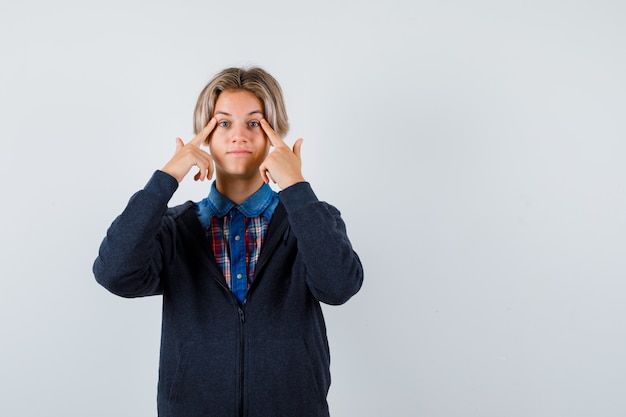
(274, 138)
(202, 135)
(189, 155)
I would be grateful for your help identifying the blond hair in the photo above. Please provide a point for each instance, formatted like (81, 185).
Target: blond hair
(255, 80)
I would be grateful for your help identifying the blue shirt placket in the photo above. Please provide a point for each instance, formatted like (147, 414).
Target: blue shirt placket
(237, 243)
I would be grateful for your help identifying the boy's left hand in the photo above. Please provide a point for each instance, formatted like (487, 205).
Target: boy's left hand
(283, 165)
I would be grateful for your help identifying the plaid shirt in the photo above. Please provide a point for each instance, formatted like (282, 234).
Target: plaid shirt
(237, 233)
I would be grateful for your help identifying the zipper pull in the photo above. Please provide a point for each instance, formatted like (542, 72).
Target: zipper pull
(242, 316)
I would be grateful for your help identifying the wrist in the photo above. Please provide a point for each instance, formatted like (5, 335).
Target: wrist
(292, 181)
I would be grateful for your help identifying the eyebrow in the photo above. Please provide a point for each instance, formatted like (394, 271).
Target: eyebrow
(228, 114)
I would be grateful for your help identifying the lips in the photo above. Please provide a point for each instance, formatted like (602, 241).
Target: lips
(239, 152)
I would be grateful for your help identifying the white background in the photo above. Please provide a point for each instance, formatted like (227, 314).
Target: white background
(475, 149)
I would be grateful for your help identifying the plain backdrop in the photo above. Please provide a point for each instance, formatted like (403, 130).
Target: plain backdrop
(475, 149)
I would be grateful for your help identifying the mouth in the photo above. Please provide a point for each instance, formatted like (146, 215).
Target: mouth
(239, 152)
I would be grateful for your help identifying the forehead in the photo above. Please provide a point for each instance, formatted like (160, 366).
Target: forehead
(237, 102)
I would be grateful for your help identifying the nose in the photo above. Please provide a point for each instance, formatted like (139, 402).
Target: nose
(239, 133)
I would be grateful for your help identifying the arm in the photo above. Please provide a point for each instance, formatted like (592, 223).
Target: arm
(141, 240)
(334, 271)
(138, 242)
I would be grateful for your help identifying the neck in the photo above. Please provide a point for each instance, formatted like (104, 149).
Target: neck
(238, 190)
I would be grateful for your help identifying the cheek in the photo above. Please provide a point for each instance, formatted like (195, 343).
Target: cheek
(265, 145)
(216, 138)
(214, 142)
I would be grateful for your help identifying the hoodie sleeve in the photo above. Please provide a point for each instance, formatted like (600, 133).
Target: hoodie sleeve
(334, 271)
(138, 242)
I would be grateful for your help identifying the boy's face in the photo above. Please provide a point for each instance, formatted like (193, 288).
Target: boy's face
(238, 144)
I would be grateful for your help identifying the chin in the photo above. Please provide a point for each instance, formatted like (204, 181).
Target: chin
(243, 174)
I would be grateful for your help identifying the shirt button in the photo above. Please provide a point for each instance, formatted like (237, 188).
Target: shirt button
(237, 237)
(239, 276)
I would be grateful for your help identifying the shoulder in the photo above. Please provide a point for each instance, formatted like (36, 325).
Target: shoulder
(181, 210)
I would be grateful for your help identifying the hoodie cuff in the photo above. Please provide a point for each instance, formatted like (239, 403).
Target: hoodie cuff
(162, 185)
(297, 195)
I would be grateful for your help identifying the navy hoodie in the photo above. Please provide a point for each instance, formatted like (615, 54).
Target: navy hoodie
(267, 358)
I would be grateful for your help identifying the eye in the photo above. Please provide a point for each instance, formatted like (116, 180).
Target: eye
(223, 123)
(254, 124)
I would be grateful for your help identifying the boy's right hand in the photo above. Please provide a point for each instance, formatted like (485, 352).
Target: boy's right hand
(189, 155)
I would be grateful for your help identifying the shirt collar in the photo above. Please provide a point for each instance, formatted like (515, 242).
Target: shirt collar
(254, 206)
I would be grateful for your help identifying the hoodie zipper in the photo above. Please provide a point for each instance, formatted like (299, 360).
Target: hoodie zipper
(242, 344)
(242, 341)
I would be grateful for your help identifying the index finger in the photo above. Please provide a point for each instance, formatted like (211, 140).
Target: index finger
(274, 138)
(204, 133)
